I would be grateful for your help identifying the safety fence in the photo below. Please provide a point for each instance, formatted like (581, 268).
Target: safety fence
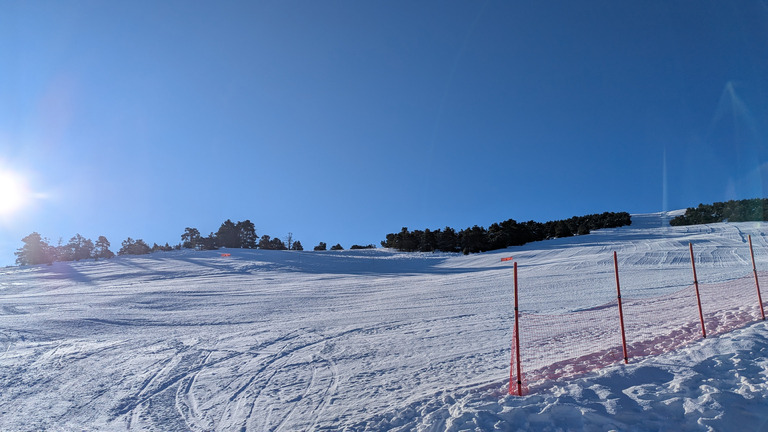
(549, 347)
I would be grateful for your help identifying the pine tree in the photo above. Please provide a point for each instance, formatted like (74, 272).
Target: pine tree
(208, 243)
(228, 235)
(36, 250)
(247, 233)
(101, 249)
(447, 240)
(474, 239)
(190, 238)
(134, 247)
(265, 242)
(78, 248)
(562, 229)
(277, 244)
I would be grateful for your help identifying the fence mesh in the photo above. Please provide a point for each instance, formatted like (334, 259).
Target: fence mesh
(569, 344)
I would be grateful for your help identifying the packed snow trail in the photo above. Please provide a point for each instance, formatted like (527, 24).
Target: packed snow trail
(363, 340)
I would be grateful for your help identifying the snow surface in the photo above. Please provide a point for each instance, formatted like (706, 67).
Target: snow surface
(367, 340)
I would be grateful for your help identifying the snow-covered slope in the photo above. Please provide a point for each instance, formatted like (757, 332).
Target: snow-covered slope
(365, 340)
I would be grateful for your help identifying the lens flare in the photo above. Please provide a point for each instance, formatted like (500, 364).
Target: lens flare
(14, 193)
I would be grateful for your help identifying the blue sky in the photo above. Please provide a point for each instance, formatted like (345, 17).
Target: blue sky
(342, 121)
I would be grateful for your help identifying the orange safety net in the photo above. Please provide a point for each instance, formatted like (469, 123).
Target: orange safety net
(565, 345)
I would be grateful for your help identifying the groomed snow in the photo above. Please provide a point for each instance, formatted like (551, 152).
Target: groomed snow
(366, 340)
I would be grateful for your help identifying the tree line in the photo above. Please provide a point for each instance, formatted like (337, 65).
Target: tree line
(242, 234)
(236, 235)
(746, 210)
(38, 250)
(500, 235)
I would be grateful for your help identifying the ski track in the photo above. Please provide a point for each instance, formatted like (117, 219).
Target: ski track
(296, 350)
(6, 343)
(356, 340)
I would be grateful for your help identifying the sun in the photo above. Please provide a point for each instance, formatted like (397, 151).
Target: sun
(14, 194)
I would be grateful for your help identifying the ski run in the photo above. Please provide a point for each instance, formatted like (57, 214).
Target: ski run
(371, 340)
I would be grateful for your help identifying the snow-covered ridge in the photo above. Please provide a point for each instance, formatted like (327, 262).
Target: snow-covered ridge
(364, 340)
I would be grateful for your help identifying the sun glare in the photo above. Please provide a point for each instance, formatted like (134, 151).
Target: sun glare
(14, 194)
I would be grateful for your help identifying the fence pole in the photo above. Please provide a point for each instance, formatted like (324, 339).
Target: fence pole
(698, 298)
(516, 354)
(757, 284)
(621, 312)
